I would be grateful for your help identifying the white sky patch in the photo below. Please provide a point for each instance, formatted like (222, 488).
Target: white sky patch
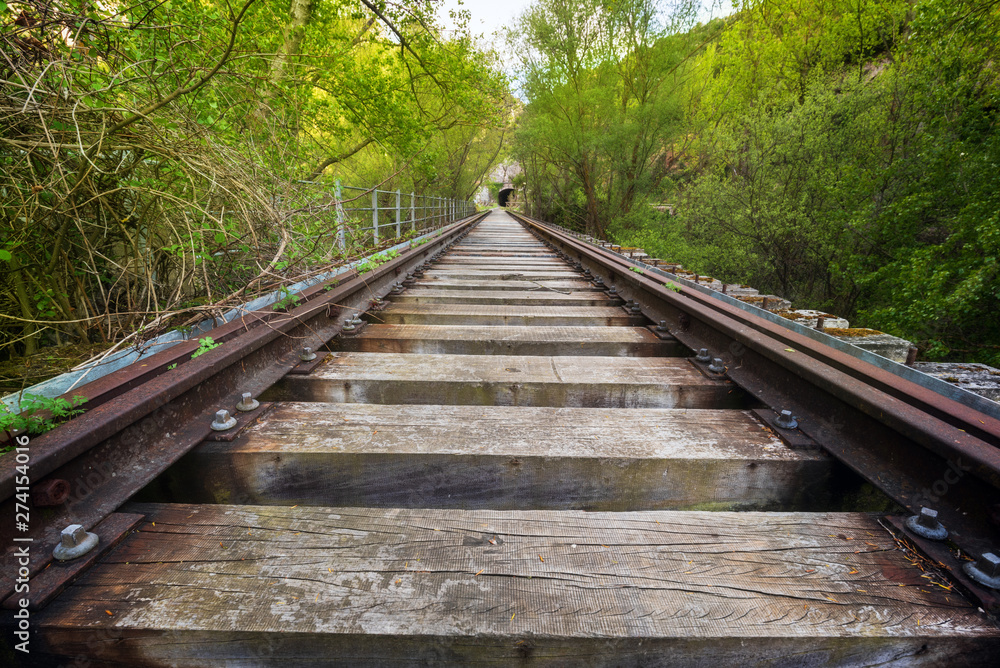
(488, 16)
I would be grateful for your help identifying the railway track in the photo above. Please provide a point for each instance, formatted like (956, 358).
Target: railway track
(528, 451)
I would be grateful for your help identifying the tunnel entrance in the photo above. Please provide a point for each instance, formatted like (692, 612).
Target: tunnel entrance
(505, 196)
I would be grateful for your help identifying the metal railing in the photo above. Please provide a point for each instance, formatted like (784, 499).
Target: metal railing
(393, 210)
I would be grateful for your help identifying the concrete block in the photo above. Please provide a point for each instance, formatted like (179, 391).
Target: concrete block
(809, 317)
(872, 340)
(977, 378)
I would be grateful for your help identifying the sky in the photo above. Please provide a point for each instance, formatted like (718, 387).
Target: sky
(489, 15)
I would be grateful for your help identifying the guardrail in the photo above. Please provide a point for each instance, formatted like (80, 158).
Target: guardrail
(392, 209)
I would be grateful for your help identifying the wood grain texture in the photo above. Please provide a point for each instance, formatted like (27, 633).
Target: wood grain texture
(504, 274)
(537, 297)
(459, 283)
(503, 457)
(508, 380)
(500, 261)
(501, 314)
(367, 587)
(499, 340)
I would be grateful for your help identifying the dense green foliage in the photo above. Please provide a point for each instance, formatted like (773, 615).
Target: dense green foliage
(160, 159)
(842, 153)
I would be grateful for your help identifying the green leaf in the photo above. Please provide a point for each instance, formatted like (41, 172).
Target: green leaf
(5, 255)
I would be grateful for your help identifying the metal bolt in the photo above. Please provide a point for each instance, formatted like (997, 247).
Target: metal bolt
(786, 420)
(223, 421)
(985, 571)
(926, 524)
(598, 281)
(74, 541)
(911, 356)
(248, 403)
(348, 327)
(717, 366)
(662, 327)
(821, 322)
(307, 354)
(356, 320)
(702, 355)
(612, 290)
(724, 288)
(636, 309)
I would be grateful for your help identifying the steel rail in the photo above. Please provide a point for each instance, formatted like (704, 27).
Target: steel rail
(146, 418)
(920, 448)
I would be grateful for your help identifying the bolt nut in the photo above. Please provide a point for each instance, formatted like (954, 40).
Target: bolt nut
(248, 403)
(662, 327)
(636, 309)
(223, 421)
(786, 420)
(926, 524)
(74, 541)
(612, 290)
(717, 366)
(985, 571)
(702, 355)
(348, 327)
(307, 354)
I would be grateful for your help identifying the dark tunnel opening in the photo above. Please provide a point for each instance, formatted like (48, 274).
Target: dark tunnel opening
(504, 196)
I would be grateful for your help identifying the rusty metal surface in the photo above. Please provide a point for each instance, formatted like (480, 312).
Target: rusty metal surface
(47, 585)
(117, 447)
(917, 446)
(942, 556)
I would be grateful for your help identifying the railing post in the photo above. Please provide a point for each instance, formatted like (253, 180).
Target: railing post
(413, 212)
(338, 195)
(397, 213)
(375, 215)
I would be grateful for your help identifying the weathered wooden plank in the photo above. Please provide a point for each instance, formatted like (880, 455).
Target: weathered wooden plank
(504, 458)
(458, 283)
(500, 314)
(537, 297)
(503, 261)
(536, 340)
(504, 275)
(508, 380)
(315, 586)
(482, 251)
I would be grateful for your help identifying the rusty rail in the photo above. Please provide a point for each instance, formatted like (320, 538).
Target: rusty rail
(918, 447)
(143, 418)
